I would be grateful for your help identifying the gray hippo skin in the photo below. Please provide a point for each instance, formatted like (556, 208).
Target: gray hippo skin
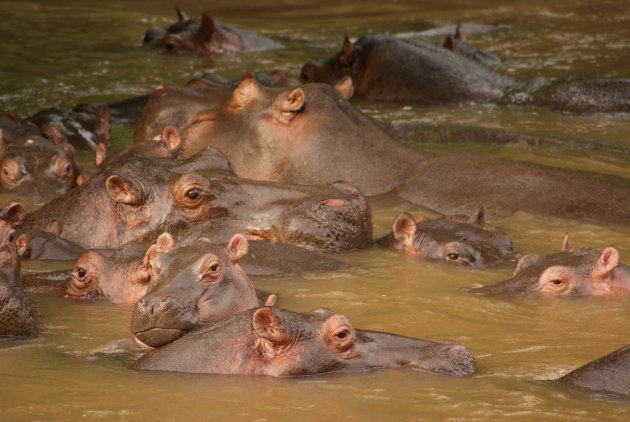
(192, 286)
(204, 36)
(281, 343)
(609, 374)
(136, 198)
(583, 272)
(390, 69)
(17, 317)
(462, 242)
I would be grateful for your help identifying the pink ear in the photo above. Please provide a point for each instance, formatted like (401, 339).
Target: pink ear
(247, 91)
(607, 261)
(150, 258)
(566, 246)
(22, 245)
(292, 104)
(405, 228)
(207, 28)
(479, 217)
(165, 243)
(181, 16)
(267, 325)
(345, 88)
(100, 154)
(14, 213)
(171, 138)
(238, 246)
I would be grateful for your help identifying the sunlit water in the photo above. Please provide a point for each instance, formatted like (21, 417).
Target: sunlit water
(79, 51)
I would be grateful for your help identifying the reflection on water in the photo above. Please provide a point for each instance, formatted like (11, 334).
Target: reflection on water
(71, 52)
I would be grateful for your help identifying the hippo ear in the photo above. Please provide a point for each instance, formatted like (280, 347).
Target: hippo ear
(121, 191)
(55, 227)
(22, 245)
(181, 16)
(448, 43)
(291, 105)
(268, 327)
(349, 57)
(479, 217)
(165, 243)
(566, 246)
(272, 299)
(207, 28)
(238, 246)
(607, 261)
(405, 229)
(345, 88)
(459, 33)
(14, 213)
(149, 260)
(525, 262)
(11, 116)
(171, 138)
(246, 92)
(100, 154)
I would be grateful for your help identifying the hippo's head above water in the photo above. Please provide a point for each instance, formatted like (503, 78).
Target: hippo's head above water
(461, 242)
(193, 286)
(583, 272)
(281, 343)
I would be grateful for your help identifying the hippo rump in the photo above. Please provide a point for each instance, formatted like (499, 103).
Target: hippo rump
(281, 343)
(35, 168)
(583, 272)
(609, 374)
(136, 198)
(191, 286)
(463, 242)
(17, 316)
(386, 68)
(204, 36)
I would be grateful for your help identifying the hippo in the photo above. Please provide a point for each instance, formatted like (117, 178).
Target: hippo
(281, 343)
(609, 374)
(17, 316)
(204, 36)
(583, 272)
(461, 242)
(458, 43)
(12, 128)
(386, 68)
(84, 126)
(36, 168)
(200, 285)
(123, 276)
(137, 196)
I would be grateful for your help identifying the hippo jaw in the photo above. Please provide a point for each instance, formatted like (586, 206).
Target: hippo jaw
(157, 337)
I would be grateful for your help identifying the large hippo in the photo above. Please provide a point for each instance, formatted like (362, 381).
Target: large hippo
(463, 242)
(386, 68)
(583, 272)
(204, 36)
(281, 343)
(34, 167)
(200, 285)
(609, 374)
(137, 197)
(17, 316)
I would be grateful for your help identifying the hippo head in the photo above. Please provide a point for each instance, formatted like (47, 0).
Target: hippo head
(278, 342)
(461, 242)
(96, 276)
(11, 245)
(345, 63)
(34, 166)
(195, 285)
(583, 272)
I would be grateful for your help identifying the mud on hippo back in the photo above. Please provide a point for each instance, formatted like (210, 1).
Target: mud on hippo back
(462, 242)
(386, 68)
(277, 342)
(583, 272)
(137, 196)
(204, 36)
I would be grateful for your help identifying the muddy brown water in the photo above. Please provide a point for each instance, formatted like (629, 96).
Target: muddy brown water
(66, 52)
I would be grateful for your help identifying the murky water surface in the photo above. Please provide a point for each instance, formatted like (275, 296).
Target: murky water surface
(66, 52)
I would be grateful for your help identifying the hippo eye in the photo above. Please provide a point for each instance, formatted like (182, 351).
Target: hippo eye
(214, 268)
(68, 168)
(5, 171)
(193, 194)
(556, 282)
(342, 334)
(11, 237)
(81, 273)
(170, 46)
(453, 256)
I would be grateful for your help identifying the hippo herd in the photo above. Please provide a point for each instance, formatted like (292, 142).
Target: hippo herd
(225, 180)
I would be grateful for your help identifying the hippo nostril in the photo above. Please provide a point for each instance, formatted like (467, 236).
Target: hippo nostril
(165, 299)
(335, 203)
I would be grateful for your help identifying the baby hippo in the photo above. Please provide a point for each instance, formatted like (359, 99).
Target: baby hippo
(281, 343)
(609, 374)
(200, 284)
(457, 240)
(583, 272)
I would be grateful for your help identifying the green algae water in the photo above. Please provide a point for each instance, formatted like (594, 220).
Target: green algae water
(66, 52)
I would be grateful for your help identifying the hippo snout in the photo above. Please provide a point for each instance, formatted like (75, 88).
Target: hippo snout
(449, 358)
(158, 322)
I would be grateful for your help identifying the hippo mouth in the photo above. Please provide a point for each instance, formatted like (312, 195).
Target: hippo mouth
(157, 337)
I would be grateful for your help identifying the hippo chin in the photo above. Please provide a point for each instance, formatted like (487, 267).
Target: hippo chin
(281, 343)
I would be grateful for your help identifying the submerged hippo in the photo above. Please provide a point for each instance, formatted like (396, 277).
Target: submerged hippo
(17, 317)
(583, 272)
(137, 196)
(460, 242)
(391, 69)
(458, 43)
(281, 343)
(204, 36)
(34, 167)
(609, 374)
(200, 284)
